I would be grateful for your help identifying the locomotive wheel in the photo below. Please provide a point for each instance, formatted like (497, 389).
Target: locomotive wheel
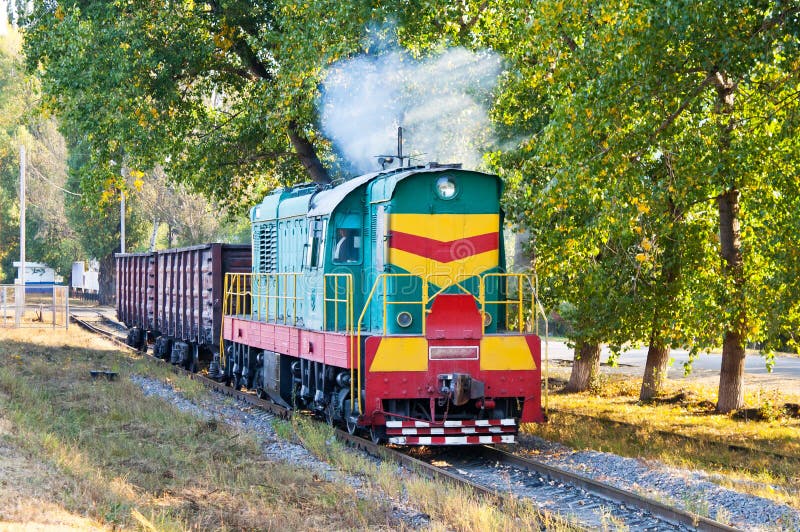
(377, 434)
(330, 414)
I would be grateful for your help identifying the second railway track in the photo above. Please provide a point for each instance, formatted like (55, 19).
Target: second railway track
(584, 502)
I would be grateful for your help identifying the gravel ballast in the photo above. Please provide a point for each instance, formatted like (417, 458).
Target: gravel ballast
(691, 490)
(249, 418)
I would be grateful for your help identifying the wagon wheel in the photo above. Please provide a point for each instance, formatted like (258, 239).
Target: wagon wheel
(193, 364)
(142, 347)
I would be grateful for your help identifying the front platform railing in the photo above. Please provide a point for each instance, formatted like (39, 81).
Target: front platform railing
(277, 298)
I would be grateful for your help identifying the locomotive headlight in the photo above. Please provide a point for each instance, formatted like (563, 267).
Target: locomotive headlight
(446, 188)
(404, 319)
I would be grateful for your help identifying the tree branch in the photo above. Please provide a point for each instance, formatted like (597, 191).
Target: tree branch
(242, 49)
(686, 102)
(777, 20)
(307, 154)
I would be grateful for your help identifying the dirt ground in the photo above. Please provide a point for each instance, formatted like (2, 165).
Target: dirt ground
(25, 485)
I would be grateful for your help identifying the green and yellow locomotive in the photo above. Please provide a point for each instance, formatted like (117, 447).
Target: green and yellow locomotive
(383, 304)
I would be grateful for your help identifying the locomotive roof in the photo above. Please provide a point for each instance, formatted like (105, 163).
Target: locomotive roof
(324, 202)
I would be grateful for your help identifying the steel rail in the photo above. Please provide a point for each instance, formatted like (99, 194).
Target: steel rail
(415, 464)
(116, 339)
(601, 489)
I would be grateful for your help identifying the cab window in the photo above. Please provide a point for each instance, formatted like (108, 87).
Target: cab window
(347, 247)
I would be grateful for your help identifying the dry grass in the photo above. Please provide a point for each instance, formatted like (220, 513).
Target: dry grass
(114, 458)
(680, 428)
(125, 460)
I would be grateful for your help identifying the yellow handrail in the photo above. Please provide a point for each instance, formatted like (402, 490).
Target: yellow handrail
(238, 287)
(355, 365)
(348, 301)
(357, 351)
(256, 287)
(506, 302)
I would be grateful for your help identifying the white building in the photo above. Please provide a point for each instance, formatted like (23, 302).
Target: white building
(38, 273)
(83, 279)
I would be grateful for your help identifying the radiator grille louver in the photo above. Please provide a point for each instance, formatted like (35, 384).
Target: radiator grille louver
(266, 241)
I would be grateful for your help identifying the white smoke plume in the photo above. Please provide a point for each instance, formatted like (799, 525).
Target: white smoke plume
(440, 102)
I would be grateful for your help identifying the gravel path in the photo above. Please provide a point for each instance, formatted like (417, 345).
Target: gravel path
(692, 490)
(249, 418)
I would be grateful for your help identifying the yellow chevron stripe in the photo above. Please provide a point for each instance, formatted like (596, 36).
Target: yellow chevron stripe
(502, 353)
(445, 227)
(444, 274)
(401, 354)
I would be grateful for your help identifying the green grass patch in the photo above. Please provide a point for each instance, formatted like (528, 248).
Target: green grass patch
(137, 462)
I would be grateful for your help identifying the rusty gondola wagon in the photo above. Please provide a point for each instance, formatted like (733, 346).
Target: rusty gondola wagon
(172, 299)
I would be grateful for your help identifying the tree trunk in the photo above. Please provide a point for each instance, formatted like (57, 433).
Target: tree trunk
(522, 258)
(154, 234)
(585, 368)
(731, 376)
(308, 155)
(655, 369)
(106, 294)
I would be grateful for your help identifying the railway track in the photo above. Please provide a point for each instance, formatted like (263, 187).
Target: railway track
(584, 502)
(588, 503)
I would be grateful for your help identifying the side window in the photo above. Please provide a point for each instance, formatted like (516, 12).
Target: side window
(347, 248)
(316, 242)
(379, 226)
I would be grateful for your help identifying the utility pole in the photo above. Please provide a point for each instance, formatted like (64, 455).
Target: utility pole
(22, 207)
(124, 173)
(20, 295)
(122, 221)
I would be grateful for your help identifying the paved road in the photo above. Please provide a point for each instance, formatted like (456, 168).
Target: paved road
(786, 369)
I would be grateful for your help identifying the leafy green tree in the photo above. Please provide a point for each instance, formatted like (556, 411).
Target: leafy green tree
(221, 93)
(189, 218)
(663, 121)
(97, 213)
(49, 237)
